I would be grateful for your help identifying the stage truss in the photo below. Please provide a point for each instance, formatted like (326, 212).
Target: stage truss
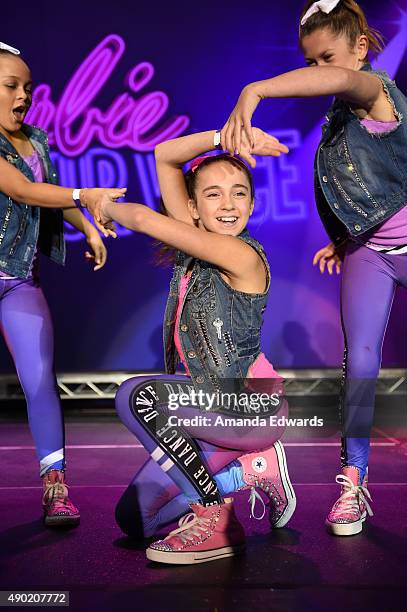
(304, 383)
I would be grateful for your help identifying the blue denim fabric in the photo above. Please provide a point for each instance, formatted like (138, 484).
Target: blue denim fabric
(23, 228)
(219, 327)
(360, 178)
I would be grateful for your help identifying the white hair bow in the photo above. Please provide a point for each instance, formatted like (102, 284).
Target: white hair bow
(5, 47)
(326, 6)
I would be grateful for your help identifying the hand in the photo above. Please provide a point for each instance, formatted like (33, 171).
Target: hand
(108, 230)
(264, 144)
(329, 256)
(99, 251)
(94, 198)
(240, 120)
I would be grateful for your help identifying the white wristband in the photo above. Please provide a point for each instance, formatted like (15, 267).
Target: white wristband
(216, 140)
(76, 196)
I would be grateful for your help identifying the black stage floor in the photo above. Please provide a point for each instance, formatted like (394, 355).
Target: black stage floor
(300, 567)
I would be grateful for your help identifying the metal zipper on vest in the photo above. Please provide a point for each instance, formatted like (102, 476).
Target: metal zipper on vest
(6, 220)
(212, 352)
(351, 167)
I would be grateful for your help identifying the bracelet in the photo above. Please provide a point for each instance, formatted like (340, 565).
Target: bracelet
(216, 140)
(76, 196)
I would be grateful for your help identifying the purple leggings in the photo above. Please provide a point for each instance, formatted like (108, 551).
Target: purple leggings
(27, 329)
(186, 460)
(368, 285)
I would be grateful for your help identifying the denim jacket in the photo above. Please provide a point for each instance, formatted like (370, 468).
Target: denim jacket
(219, 327)
(360, 178)
(20, 232)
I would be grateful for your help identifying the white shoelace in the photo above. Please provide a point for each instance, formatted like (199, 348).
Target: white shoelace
(252, 502)
(190, 526)
(353, 495)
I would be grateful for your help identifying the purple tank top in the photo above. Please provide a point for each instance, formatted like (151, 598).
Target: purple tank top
(392, 232)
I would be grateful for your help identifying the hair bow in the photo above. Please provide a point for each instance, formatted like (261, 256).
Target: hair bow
(326, 6)
(4, 47)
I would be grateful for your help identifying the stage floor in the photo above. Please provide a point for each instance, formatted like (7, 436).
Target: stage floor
(299, 567)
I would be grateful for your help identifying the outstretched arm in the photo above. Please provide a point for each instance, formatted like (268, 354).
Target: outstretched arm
(171, 155)
(233, 256)
(361, 89)
(17, 186)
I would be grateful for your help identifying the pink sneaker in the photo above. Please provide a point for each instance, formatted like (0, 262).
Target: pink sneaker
(206, 534)
(350, 510)
(267, 470)
(58, 508)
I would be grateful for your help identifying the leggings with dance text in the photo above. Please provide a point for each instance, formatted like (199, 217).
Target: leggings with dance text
(192, 460)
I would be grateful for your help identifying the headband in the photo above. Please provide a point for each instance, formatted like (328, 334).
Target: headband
(326, 6)
(4, 47)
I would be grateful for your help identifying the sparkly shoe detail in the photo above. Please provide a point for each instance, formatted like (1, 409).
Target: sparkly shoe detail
(351, 509)
(206, 534)
(58, 508)
(267, 471)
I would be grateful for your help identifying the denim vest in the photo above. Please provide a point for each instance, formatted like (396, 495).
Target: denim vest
(219, 327)
(360, 178)
(20, 232)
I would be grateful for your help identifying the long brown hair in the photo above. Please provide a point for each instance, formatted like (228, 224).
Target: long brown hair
(346, 18)
(165, 255)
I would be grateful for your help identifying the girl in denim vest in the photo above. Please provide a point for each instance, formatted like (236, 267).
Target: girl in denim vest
(31, 221)
(204, 444)
(361, 194)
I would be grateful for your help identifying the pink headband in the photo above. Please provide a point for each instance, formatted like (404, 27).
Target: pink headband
(199, 160)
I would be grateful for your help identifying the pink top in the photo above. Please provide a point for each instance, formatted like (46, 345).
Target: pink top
(34, 161)
(182, 291)
(392, 232)
(260, 368)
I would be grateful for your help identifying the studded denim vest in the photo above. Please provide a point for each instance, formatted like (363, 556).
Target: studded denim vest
(219, 327)
(360, 178)
(24, 228)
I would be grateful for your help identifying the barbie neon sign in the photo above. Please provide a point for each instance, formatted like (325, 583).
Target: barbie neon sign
(74, 123)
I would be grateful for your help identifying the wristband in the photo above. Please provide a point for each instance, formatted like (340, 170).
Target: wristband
(216, 140)
(76, 193)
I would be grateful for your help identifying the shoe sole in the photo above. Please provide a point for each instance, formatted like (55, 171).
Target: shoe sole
(190, 558)
(287, 486)
(345, 529)
(61, 521)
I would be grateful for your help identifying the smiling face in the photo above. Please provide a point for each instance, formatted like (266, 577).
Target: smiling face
(223, 199)
(15, 93)
(324, 48)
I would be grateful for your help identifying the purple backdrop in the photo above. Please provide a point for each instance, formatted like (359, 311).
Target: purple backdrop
(113, 79)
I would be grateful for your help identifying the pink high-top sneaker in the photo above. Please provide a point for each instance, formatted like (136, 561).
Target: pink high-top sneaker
(206, 534)
(267, 470)
(58, 508)
(350, 510)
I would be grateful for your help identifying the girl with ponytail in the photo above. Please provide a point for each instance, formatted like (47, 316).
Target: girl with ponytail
(361, 196)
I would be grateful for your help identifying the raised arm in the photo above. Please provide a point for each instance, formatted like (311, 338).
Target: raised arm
(171, 155)
(17, 186)
(238, 260)
(361, 89)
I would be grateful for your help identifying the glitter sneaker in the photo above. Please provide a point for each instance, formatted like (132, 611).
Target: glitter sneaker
(206, 534)
(58, 509)
(351, 509)
(267, 471)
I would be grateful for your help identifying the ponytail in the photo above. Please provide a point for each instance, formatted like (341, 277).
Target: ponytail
(346, 18)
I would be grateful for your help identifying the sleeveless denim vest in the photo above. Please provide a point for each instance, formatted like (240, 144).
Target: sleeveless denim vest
(23, 228)
(219, 327)
(360, 178)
